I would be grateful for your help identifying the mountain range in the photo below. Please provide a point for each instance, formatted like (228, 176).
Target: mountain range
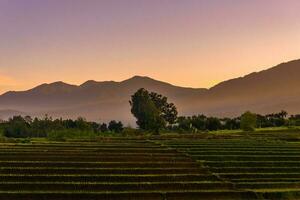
(272, 90)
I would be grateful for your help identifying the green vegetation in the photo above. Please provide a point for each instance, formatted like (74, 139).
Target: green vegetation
(153, 167)
(195, 157)
(248, 121)
(154, 115)
(58, 129)
(108, 169)
(263, 164)
(152, 110)
(144, 110)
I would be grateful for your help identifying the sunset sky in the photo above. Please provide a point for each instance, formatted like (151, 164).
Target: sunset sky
(195, 43)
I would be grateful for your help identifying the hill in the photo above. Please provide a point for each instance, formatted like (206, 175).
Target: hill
(267, 91)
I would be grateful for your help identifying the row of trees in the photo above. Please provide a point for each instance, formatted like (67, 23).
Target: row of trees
(247, 121)
(19, 126)
(154, 113)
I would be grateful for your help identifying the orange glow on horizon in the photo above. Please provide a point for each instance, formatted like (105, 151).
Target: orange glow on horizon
(186, 43)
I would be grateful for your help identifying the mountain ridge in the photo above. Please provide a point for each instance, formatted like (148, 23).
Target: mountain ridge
(272, 89)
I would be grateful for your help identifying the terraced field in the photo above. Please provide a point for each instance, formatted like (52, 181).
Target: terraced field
(269, 169)
(123, 168)
(114, 169)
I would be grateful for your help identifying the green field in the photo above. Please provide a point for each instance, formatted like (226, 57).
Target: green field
(260, 166)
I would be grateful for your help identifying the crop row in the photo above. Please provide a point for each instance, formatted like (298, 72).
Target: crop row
(187, 164)
(254, 152)
(129, 195)
(111, 186)
(96, 154)
(241, 147)
(261, 180)
(247, 157)
(232, 176)
(86, 158)
(256, 170)
(245, 148)
(150, 145)
(106, 178)
(93, 150)
(252, 163)
(41, 170)
(267, 185)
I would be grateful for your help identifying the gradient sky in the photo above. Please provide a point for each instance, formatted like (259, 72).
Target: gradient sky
(195, 43)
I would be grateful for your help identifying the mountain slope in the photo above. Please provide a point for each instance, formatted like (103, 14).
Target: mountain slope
(93, 100)
(266, 91)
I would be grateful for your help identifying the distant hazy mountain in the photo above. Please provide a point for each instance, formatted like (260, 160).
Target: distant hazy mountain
(8, 113)
(262, 92)
(93, 100)
(266, 91)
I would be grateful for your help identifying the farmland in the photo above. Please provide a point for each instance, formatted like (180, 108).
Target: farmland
(263, 166)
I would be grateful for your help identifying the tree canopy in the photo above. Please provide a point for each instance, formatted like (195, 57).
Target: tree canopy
(152, 110)
(248, 121)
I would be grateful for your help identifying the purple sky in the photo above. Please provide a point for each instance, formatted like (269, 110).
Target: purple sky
(185, 42)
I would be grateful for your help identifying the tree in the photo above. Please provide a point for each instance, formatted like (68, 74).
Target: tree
(82, 124)
(116, 127)
(294, 120)
(248, 121)
(17, 127)
(230, 123)
(95, 126)
(168, 111)
(145, 111)
(283, 114)
(103, 127)
(213, 124)
(199, 122)
(184, 123)
(262, 121)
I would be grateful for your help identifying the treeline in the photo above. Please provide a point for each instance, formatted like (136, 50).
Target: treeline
(247, 121)
(24, 127)
(154, 114)
(19, 127)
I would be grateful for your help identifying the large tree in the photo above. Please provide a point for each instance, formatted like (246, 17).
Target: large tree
(167, 110)
(144, 110)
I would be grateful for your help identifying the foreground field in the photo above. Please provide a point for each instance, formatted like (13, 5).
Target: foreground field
(153, 168)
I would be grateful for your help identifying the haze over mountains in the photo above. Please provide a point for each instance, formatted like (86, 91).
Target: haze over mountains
(271, 90)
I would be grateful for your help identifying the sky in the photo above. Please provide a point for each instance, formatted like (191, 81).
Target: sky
(193, 43)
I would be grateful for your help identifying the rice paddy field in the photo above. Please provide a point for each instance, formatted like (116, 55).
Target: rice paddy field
(257, 167)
